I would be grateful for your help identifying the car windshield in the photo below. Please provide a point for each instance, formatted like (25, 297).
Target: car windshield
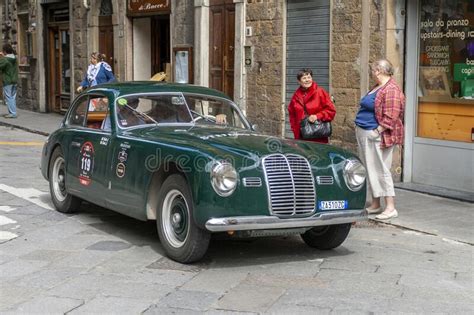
(135, 110)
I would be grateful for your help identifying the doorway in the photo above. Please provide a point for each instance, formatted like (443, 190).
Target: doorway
(221, 45)
(151, 46)
(59, 76)
(160, 43)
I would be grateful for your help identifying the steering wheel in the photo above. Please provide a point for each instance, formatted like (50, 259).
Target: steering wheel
(205, 117)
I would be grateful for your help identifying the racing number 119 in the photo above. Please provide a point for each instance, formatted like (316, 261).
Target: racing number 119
(86, 164)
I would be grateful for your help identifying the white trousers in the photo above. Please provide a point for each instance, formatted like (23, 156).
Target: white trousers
(377, 161)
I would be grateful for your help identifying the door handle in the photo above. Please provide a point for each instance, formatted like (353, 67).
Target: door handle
(75, 144)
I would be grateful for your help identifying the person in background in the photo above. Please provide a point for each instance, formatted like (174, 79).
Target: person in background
(316, 100)
(98, 72)
(9, 72)
(379, 128)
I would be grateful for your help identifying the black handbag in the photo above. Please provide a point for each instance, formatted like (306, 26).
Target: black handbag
(316, 130)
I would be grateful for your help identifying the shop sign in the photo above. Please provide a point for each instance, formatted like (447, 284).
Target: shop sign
(463, 71)
(140, 7)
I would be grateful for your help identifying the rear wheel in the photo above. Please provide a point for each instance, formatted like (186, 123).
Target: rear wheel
(326, 237)
(182, 240)
(62, 200)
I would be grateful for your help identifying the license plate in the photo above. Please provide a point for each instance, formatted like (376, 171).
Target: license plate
(333, 205)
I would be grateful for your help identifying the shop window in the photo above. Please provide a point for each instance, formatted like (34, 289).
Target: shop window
(23, 39)
(446, 73)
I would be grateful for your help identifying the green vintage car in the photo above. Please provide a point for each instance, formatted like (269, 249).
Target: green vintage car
(187, 157)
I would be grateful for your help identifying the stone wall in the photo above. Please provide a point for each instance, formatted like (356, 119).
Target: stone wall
(183, 23)
(265, 77)
(79, 35)
(27, 97)
(27, 78)
(347, 68)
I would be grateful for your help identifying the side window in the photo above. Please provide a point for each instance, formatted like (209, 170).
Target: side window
(78, 114)
(97, 112)
(90, 112)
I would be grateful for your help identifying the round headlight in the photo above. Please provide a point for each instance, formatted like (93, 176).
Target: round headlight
(223, 179)
(354, 174)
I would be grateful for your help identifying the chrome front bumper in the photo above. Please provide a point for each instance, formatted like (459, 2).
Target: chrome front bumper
(272, 222)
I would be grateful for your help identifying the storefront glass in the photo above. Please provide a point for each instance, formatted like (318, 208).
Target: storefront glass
(446, 73)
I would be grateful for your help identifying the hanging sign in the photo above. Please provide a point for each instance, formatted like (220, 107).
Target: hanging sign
(147, 7)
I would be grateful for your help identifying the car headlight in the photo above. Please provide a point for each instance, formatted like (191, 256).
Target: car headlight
(223, 178)
(354, 174)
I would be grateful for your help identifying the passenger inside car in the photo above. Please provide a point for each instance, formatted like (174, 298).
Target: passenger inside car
(127, 114)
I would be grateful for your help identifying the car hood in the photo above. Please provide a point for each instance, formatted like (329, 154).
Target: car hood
(238, 142)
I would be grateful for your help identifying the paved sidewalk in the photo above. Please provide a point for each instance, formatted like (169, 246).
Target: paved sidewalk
(41, 123)
(446, 217)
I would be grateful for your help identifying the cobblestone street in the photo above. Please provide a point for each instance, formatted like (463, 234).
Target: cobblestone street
(100, 262)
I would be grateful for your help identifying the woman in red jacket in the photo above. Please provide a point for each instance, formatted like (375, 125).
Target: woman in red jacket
(316, 100)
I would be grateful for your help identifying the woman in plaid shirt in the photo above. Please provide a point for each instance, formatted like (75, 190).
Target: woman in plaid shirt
(379, 127)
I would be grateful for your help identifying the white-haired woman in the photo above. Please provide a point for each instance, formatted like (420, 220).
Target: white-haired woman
(379, 128)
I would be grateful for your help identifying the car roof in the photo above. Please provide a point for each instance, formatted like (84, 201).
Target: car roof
(134, 87)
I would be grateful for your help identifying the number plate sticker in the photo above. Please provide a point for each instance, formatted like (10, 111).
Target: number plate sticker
(333, 205)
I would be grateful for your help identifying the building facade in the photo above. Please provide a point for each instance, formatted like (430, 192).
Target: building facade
(252, 50)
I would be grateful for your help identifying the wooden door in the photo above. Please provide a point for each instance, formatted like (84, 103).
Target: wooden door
(106, 39)
(59, 75)
(221, 46)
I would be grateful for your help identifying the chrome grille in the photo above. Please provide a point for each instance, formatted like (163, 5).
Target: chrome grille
(290, 185)
(252, 182)
(324, 180)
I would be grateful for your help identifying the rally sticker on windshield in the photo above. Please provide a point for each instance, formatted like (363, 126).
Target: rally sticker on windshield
(333, 205)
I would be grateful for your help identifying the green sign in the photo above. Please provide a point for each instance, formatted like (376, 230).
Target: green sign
(463, 71)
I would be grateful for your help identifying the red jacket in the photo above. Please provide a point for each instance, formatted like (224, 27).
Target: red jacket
(317, 103)
(389, 110)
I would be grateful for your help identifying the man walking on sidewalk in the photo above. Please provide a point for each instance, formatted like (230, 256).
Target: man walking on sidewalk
(9, 71)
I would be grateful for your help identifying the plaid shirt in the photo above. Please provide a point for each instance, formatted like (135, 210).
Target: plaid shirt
(389, 111)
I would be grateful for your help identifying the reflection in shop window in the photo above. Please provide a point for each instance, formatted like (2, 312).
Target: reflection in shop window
(446, 74)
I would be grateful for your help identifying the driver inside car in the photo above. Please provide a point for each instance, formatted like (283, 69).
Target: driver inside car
(201, 110)
(125, 113)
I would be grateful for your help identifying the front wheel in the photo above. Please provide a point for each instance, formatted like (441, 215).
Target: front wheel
(62, 200)
(326, 237)
(182, 240)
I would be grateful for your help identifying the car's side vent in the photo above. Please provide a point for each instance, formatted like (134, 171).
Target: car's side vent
(252, 182)
(325, 180)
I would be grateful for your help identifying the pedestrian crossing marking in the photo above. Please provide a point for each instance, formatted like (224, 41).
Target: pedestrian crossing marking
(4, 220)
(6, 208)
(6, 236)
(22, 143)
(30, 194)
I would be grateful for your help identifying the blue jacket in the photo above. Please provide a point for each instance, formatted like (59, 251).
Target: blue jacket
(104, 75)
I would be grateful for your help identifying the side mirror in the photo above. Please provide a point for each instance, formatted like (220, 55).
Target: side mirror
(254, 127)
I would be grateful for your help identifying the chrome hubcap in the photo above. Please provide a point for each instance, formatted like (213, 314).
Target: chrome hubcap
(175, 218)
(58, 178)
